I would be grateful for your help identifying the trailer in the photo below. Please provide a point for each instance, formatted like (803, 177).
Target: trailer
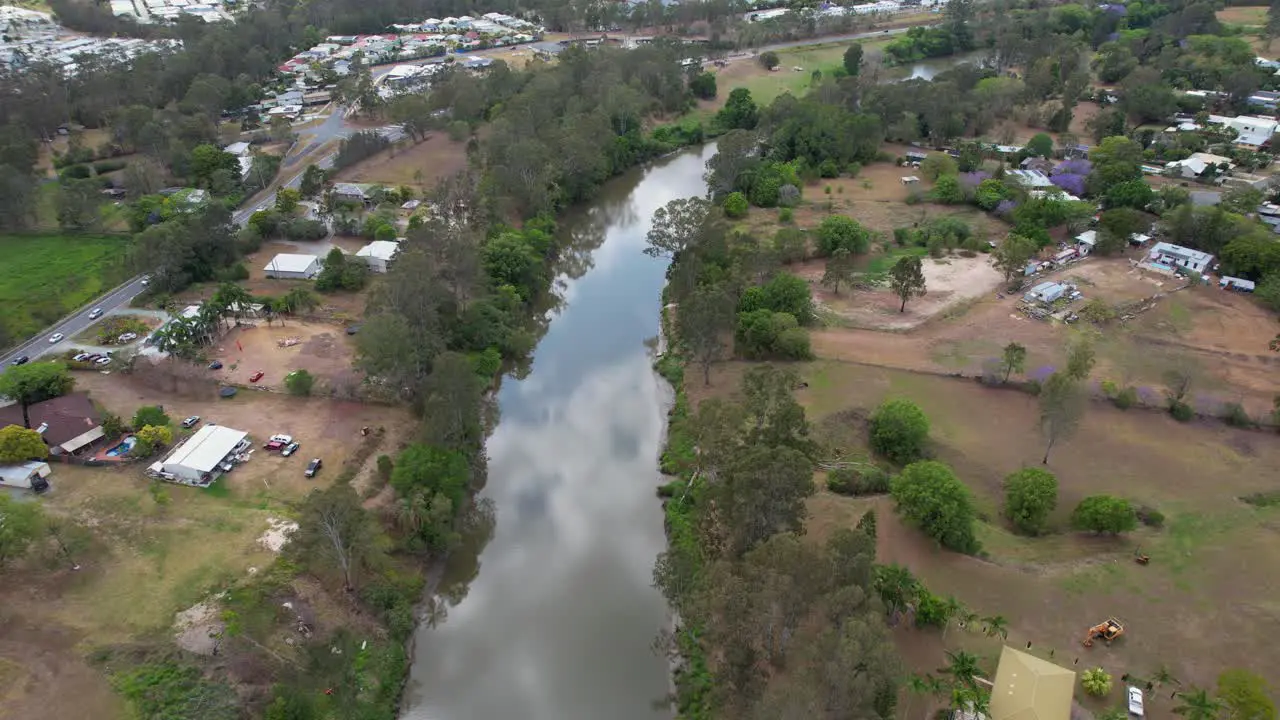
(31, 476)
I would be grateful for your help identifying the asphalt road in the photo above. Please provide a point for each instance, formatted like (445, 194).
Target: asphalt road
(74, 325)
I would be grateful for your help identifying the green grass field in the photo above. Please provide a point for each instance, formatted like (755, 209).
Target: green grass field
(44, 277)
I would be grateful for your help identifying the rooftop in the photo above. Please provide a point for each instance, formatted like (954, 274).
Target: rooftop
(380, 249)
(65, 418)
(290, 262)
(1028, 688)
(204, 450)
(1180, 252)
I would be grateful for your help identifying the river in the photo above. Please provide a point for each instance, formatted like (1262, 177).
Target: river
(554, 617)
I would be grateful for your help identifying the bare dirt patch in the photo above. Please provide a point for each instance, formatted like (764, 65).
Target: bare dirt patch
(420, 166)
(322, 349)
(1249, 16)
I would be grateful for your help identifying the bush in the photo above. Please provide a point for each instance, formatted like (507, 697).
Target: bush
(1125, 398)
(1181, 411)
(763, 334)
(106, 166)
(1233, 414)
(1096, 682)
(1149, 516)
(858, 482)
(76, 172)
(736, 205)
(1104, 514)
(786, 214)
(150, 415)
(837, 232)
(929, 495)
(385, 466)
(899, 431)
(299, 382)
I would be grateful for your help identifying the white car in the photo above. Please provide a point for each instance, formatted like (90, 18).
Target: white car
(56, 337)
(95, 313)
(1135, 701)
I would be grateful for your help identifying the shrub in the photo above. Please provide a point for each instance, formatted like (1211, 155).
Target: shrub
(1233, 414)
(828, 169)
(385, 466)
(736, 205)
(786, 214)
(1262, 499)
(899, 431)
(853, 169)
(299, 382)
(1149, 516)
(838, 231)
(929, 495)
(76, 172)
(1125, 398)
(106, 166)
(150, 415)
(1096, 682)
(1181, 411)
(858, 482)
(1104, 514)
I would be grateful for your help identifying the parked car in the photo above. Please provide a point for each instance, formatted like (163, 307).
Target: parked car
(290, 449)
(256, 376)
(56, 337)
(313, 467)
(81, 357)
(20, 360)
(276, 442)
(215, 365)
(95, 313)
(191, 421)
(128, 337)
(1135, 701)
(105, 359)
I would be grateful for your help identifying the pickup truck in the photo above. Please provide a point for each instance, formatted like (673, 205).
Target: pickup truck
(276, 442)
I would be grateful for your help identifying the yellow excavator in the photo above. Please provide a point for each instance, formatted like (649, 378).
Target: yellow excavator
(1106, 632)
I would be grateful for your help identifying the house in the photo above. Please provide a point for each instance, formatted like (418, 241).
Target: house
(1238, 284)
(1175, 255)
(1045, 292)
(1265, 99)
(379, 254)
(66, 424)
(1251, 132)
(1031, 179)
(203, 457)
(1039, 164)
(352, 192)
(1199, 165)
(1028, 688)
(917, 156)
(288, 266)
(239, 149)
(1138, 239)
(1086, 242)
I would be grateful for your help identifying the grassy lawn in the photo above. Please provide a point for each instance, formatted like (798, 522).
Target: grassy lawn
(47, 276)
(1248, 16)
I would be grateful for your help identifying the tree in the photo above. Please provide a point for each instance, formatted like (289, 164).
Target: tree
(906, 278)
(334, 533)
(1197, 704)
(287, 200)
(150, 415)
(1096, 682)
(77, 203)
(1104, 514)
(947, 191)
(678, 225)
(938, 165)
(1040, 145)
(431, 470)
(150, 438)
(34, 383)
(735, 205)
(996, 626)
(1080, 358)
(839, 231)
(1013, 255)
(1246, 696)
(18, 444)
(1061, 404)
(1116, 226)
(899, 431)
(299, 382)
(21, 523)
(760, 493)
(1013, 359)
(769, 59)
(703, 85)
(451, 400)
(896, 586)
(1030, 494)
(1146, 97)
(739, 111)
(313, 179)
(963, 668)
(853, 59)
(839, 269)
(929, 494)
(702, 322)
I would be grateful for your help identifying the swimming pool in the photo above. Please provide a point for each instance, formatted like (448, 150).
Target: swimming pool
(124, 447)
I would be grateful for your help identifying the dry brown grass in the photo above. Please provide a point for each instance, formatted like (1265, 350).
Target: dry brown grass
(420, 166)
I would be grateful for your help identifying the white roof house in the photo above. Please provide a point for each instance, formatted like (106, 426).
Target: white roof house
(1251, 131)
(196, 461)
(379, 254)
(1170, 254)
(1087, 241)
(1031, 178)
(237, 148)
(1197, 163)
(292, 266)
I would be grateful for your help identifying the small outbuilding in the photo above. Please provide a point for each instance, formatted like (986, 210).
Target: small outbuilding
(1227, 282)
(379, 254)
(1086, 242)
(289, 266)
(203, 457)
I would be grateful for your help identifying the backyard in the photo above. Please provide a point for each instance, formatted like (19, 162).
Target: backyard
(1213, 551)
(45, 277)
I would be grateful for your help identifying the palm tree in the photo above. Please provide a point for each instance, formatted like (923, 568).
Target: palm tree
(925, 684)
(896, 586)
(963, 668)
(951, 609)
(1162, 677)
(996, 625)
(965, 618)
(1198, 704)
(410, 512)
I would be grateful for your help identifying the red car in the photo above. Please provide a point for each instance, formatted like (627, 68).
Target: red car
(256, 376)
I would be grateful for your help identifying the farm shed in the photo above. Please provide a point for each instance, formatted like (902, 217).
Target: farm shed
(288, 266)
(196, 461)
(1045, 292)
(1028, 688)
(378, 254)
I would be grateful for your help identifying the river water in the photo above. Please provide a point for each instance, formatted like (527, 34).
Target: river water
(554, 616)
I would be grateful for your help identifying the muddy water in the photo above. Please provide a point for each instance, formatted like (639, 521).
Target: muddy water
(554, 616)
